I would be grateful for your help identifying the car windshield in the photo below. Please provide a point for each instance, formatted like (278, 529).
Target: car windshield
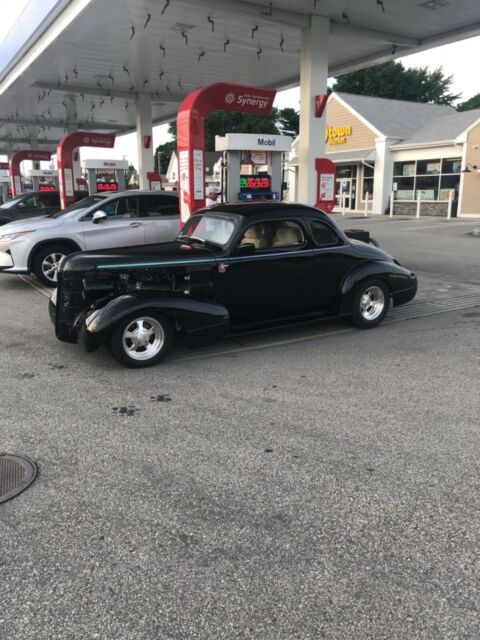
(12, 203)
(79, 206)
(208, 228)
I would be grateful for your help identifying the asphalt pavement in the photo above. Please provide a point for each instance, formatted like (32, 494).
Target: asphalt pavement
(315, 482)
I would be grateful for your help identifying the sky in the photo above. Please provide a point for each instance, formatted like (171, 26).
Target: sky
(457, 60)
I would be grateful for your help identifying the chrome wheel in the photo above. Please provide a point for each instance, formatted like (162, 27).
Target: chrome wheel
(143, 338)
(372, 303)
(50, 264)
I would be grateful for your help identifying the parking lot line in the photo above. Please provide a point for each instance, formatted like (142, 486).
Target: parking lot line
(37, 286)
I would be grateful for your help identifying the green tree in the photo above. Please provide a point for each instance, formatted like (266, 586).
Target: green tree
(472, 103)
(393, 80)
(165, 150)
(220, 122)
(288, 122)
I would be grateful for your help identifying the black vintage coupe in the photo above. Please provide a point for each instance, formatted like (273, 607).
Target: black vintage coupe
(231, 268)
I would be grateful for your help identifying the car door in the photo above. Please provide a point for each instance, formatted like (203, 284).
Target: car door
(160, 216)
(121, 228)
(276, 279)
(331, 263)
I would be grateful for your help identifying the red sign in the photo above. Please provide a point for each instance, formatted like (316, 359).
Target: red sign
(17, 158)
(46, 187)
(65, 150)
(147, 141)
(320, 104)
(326, 175)
(191, 134)
(4, 165)
(107, 186)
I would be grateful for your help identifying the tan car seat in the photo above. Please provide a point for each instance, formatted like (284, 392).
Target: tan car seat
(254, 235)
(286, 237)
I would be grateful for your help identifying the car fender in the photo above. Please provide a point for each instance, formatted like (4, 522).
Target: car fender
(202, 321)
(75, 246)
(396, 277)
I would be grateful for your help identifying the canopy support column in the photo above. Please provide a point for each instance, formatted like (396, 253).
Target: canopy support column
(143, 106)
(313, 81)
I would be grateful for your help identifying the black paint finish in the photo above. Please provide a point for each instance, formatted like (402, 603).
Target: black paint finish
(208, 290)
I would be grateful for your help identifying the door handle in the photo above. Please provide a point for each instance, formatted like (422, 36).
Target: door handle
(135, 224)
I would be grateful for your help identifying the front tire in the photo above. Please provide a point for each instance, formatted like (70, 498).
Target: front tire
(46, 262)
(141, 340)
(370, 304)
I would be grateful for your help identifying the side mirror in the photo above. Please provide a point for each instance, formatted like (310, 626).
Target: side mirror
(245, 249)
(98, 216)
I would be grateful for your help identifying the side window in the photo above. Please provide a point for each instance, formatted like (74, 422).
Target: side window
(51, 199)
(272, 235)
(33, 202)
(287, 234)
(120, 208)
(153, 206)
(323, 235)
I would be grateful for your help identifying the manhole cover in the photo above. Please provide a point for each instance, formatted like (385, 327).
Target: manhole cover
(16, 474)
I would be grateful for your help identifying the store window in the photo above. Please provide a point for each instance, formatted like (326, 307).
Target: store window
(451, 165)
(427, 187)
(428, 167)
(432, 179)
(404, 188)
(404, 169)
(447, 184)
(367, 187)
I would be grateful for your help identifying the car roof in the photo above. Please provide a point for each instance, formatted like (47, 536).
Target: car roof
(251, 209)
(143, 192)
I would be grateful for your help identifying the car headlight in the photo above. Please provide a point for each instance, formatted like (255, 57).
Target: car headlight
(18, 234)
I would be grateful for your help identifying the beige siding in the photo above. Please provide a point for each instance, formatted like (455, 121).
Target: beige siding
(470, 202)
(361, 137)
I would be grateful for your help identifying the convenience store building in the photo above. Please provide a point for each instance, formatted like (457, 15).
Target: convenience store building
(413, 149)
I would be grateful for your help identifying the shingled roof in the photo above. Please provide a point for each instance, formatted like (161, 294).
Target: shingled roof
(398, 119)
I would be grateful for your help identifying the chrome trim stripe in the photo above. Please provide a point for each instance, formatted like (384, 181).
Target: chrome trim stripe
(263, 256)
(161, 263)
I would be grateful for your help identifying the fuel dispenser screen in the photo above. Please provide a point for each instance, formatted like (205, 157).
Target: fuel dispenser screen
(251, 184)
(107, 186)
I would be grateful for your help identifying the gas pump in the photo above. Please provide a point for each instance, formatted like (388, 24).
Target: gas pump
(5, 184)
(105, 175)
(254, 165)
(49, 182)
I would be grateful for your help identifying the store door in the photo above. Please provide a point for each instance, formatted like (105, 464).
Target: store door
(346, 187)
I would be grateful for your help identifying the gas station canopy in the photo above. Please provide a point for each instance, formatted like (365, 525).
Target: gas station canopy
(83, 64)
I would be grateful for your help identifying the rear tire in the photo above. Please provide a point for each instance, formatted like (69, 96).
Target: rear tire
(46, 261)
(141, 340)
(370, 303)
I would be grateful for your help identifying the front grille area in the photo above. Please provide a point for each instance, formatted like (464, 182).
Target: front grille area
(70, 302)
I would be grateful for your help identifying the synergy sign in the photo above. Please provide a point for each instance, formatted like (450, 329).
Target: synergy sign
(260, 102)
(337, 135)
